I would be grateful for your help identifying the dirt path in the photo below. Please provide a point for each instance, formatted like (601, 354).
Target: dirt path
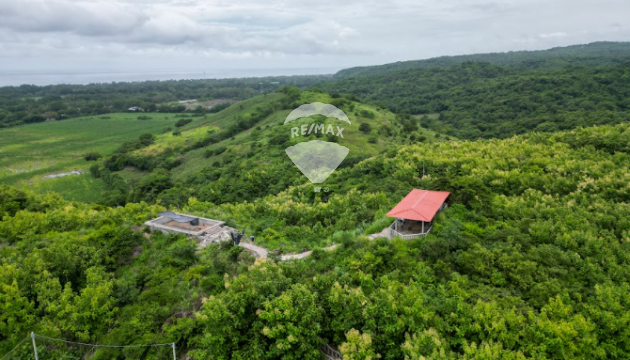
(257, 251)
(305, 254)
(384, 233)
(260, 251)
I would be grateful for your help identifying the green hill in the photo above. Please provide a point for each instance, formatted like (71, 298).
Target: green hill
(593, 54)
(480, 100)
(239, 154)
(530, 261)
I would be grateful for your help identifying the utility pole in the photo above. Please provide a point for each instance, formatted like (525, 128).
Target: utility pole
(174, 355)
(34, 345)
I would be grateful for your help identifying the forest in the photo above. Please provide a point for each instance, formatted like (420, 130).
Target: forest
(593, 54)
(28, 104)
(531, 259)
(481, 100)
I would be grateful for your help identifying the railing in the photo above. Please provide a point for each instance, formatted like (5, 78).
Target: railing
(393, 233)
(330, 353)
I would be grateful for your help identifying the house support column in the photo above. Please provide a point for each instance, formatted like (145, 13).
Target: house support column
(423, 227)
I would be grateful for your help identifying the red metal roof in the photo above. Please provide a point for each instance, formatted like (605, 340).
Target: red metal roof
(420, 205)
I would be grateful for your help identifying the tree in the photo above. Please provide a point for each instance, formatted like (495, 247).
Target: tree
(365, 128)
(427, 345)
(292, 323)
(182, 122)
(358, 347)
(93, 156)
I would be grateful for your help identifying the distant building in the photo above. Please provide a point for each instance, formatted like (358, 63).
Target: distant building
(415, 213)
(135, 108)
(50, 115)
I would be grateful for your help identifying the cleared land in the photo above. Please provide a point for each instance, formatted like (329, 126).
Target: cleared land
(31, 152)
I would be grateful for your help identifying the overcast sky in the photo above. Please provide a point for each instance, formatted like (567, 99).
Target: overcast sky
(195, 35)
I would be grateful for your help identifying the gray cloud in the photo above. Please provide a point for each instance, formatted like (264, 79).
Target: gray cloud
(166, 34)
(85, 18)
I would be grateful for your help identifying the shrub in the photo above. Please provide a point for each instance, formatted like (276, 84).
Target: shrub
(93, 156)
(367, 114)
(279, 139)
(219, 107)
(146, 139)
(182, 122)
(365, 128)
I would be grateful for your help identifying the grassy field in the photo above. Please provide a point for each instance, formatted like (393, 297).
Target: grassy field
(29, 153)
(354, 139)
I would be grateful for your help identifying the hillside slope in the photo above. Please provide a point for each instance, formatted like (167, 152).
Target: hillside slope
(530, 261)
(480, 100)
(593, 54)
(239, 153)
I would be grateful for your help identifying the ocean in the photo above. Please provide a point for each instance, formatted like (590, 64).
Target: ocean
(39, 78)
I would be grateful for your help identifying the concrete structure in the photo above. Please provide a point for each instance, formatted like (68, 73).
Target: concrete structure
(208, 231)
(198, 227)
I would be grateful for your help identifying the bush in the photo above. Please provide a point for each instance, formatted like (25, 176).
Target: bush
(93, 156)
(219, 107)
(181, 254)
(34, 119)
(367, 114)
(146, 139)
(279, 139)
(182, 122)
(144, 117)
(365, 128)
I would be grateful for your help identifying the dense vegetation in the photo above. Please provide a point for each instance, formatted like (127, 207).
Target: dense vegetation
(479, 100)
(239, 154)
(30, 104)
(594, 54)
(530, 261)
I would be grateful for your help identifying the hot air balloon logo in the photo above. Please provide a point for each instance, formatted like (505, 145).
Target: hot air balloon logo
(317, 159)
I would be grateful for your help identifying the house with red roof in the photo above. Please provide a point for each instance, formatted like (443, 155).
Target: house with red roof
(415, 213)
